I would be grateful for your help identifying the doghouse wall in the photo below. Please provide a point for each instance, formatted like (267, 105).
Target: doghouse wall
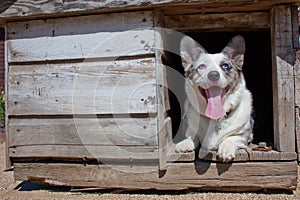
(257, 70)
(82, 88)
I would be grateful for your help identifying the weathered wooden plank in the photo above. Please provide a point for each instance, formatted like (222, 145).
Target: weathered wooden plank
(272, 155)
(160, 76)
(240, 155)
(12, 9)
(227, 21)
(83, 131)
(200, 175)
(101, 152)
(173, 156)
(81, 37)
(105, 87)
(283, 57)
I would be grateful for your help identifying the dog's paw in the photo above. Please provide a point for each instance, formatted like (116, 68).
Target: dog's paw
(185, 146)
(226, 151)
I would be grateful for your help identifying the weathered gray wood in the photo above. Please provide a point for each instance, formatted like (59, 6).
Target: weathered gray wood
(200, 175)
(33, 8)
(101, 152)
(283, 78)
(297, 103)
(295, 26)
(173, 156)
(111, 35)
(86, 131)
(82, 88)
(227, 21)
(160, 76)
(164, 143)
(240, 155)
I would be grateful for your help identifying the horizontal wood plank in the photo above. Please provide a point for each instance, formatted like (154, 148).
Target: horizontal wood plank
(100, 152)
(34, 8)
(112, 35)
(83, 131)
(200, 175)
(105, 87)
(228, 21)
(240, 155)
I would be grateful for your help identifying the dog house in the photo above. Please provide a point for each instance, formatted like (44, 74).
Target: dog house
(88, 103)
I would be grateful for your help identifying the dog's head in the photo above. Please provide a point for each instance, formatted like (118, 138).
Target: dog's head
(214, 75)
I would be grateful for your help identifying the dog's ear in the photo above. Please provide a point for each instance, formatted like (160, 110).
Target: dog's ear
(235, 50)
(189, 51)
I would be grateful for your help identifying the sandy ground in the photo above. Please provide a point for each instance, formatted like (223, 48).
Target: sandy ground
(9, 189)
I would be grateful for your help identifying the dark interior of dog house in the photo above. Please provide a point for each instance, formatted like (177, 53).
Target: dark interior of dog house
(257, 70)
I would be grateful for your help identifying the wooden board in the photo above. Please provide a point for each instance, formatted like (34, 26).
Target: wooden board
(297, 104)
(227, 21)
(178, 176)
(283, 57)
(102, 153)
(78, 131)
(103, 87)
(105, 139)
(13, 9)
(111, 35)
(241, 155)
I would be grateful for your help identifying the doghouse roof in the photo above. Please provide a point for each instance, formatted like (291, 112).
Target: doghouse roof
(17, 9)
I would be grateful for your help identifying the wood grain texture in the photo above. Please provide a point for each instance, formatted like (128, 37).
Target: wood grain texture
(160, 76)
(37, 8)
(240, 155)
(178, 176)
(83, 131)
(105, 87)
(227, 21)
(283, 56)
(100, 152)
(95, 36)
(297, 103)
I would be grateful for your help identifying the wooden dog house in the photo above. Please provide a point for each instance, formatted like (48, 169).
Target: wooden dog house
(87, 104)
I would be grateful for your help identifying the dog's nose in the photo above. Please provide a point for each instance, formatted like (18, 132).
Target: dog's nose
(213, 75)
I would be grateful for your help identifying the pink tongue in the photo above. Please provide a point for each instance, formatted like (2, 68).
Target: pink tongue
(214, 109)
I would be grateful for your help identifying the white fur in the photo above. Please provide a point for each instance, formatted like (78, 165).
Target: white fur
(227, 134)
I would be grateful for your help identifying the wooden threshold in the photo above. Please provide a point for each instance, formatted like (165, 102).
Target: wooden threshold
(244, 176)
(241, 155)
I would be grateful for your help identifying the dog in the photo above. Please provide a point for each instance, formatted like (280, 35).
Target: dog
(218, 106)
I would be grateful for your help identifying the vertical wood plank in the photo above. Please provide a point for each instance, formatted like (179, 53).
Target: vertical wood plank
(8, 162)
(161, 83)
(283, 57)
(297, 102)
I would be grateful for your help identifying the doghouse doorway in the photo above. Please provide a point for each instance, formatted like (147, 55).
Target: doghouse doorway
(257, 70)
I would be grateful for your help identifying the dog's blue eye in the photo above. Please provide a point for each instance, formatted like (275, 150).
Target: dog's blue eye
(226, 66)
(202, 66)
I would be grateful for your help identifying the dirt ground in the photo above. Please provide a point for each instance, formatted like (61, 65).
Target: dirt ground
(11, 190)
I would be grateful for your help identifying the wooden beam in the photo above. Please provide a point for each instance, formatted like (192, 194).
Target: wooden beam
(178, 176)
(227, 21)
(160, 76)
(14, 9)
(297, 105)
(283, 58)
(240, 155)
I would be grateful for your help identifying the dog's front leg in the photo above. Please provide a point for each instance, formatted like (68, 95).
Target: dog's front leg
(189, 144)
(228, 147)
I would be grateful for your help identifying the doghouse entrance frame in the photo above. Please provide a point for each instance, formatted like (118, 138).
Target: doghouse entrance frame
(164, 169)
